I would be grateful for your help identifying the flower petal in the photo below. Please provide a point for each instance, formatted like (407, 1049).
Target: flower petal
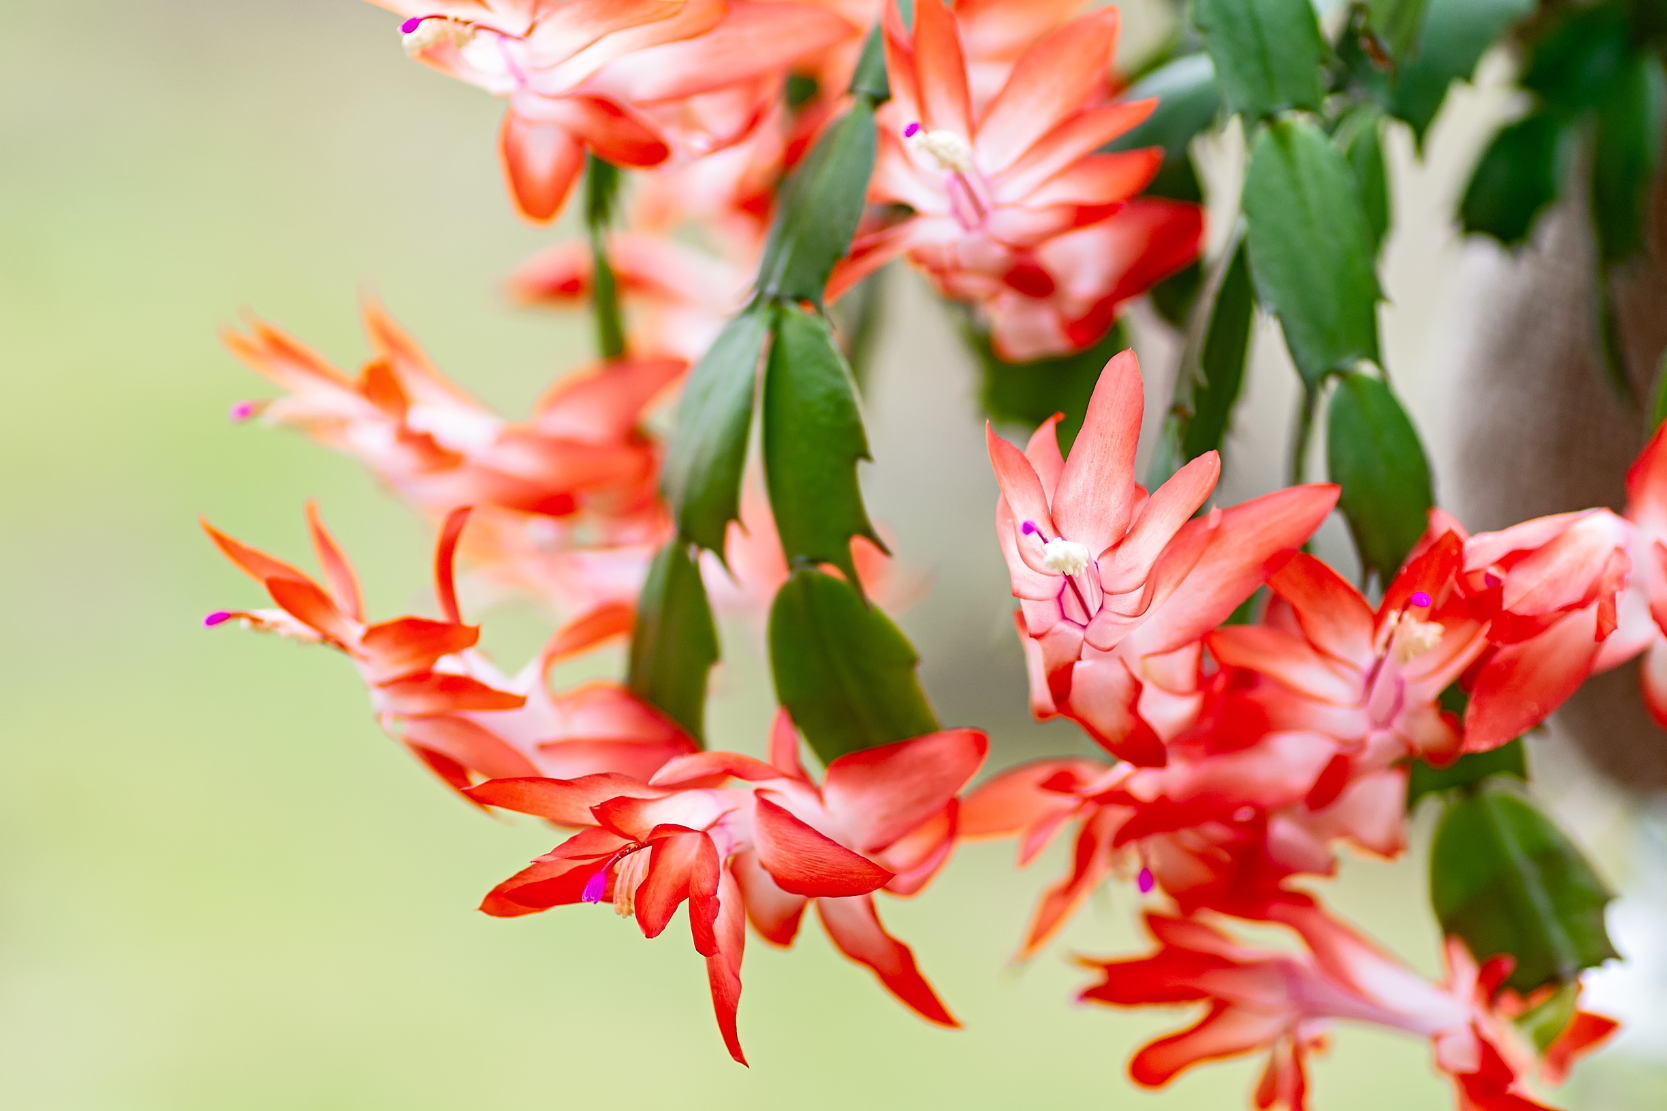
(1096, 492)
(804, 861)
(941, 71)
(880, 794)
(855, 928)
(1050, 81)
(541, 160)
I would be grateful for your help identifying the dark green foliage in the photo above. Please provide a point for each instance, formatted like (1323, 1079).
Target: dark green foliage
(1361, 138)
(1575, 65)
(813, 438)
(1397, 24)
(1455, 35)
(1626, 156)
(1267, 53)
(1311, 248)
(675, 642)
(842, 669)
(1373, 453)
(1507, 881)
(819, 209)
(1211, 375)
(1520, 173)
(708, 450)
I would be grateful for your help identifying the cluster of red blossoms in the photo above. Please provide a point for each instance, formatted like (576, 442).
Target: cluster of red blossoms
(1240, 756)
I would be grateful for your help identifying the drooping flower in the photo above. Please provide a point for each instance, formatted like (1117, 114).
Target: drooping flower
(1284, 1003)
(737, 836)
(1212, 829)
(1551, 588)
(435, 692)
(1642, 620)
(988, 192)
(1111, 580)
(574, 488)
(627, 79)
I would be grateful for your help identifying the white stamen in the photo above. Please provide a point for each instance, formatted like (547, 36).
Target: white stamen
(432, 32)
(628, 874)
(952, 153)
(1066, 557)
(1411, 638)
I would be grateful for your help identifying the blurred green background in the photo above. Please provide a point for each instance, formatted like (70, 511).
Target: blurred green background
(220, 886)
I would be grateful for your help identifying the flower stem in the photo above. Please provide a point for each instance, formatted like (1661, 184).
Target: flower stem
(602, 181)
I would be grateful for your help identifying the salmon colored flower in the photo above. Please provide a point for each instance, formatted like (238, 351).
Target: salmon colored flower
(994, 34)
(736, 836)
(1222, 829)
(1284, 1003)
(1552, 588)
(626, 79)
(987, 191)
(1370, 678)
(1111, 580)
(1642, 618)
(432, 689)
(581, 476)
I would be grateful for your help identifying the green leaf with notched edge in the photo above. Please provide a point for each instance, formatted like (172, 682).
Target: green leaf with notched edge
(708, 450)
(1211, 376)
(1507, 881)
(1027, 394)
(1519, 174)
(1627, 152)
(1373, 453)
(842, 669)
(1267, 53)
(1454, 36)
(813, 438)
(819, 209)
(1359, 136)
(1311, 248)
(675, 642)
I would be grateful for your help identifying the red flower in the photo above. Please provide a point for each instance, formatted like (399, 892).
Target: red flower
(627, 79)
(565, 500)
(1110, 580)
(990, 192)
(433, 691)
(730, 833)
(1284, 1003)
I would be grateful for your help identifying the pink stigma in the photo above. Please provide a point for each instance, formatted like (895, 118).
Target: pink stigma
(912, 130)
(218, 617)
(1145, 881)
(1492, 580)
(1029, 528)
(1420, 599)
(412, 24)
(242, 411)
(595, 885)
